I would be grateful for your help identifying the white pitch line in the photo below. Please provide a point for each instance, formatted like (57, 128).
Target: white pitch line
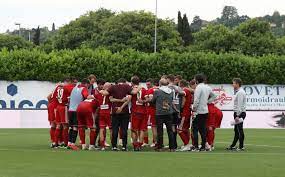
(257, 145)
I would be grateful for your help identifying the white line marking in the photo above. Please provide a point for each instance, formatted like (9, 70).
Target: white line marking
(257, 145)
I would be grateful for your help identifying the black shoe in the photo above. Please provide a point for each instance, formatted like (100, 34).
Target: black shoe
(124, 149)
(231, 148)
(202, 150)
(53, 146)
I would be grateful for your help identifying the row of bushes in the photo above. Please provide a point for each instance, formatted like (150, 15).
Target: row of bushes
(221, 68)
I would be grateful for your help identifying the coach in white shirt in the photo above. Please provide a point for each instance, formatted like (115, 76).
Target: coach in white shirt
(203, 93)
(239, 115)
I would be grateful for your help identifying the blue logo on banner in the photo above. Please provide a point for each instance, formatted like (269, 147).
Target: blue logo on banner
(12, 90)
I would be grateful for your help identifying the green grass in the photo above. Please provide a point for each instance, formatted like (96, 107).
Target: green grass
(25, 153)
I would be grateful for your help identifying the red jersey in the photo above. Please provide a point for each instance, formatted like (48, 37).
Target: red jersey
(188, 100)
(63, 93)
(88, 106)
(136, 106)
(104, 102)
(150, 107)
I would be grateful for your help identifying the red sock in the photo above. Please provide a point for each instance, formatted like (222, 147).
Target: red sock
(184, 138)
(210, 136)
(65, 135)
(102, 144)
(92, 137)
(145, 139)
(82, 135)
(60, 138)
(52, 136)
(57, 135)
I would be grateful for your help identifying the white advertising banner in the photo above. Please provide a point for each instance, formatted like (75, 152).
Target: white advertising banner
(23, 104)
(38, 119)
(259, 97)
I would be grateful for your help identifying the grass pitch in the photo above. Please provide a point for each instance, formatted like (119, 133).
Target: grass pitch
(26, 153)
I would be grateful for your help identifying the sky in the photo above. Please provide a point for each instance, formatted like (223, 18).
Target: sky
(31, 13)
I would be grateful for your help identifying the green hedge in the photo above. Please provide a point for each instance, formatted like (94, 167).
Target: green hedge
(221, 68)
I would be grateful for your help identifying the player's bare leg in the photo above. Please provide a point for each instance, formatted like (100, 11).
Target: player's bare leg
(154, 136)
(92, 136)
(135, 135)
(52, 134)
(102, 138)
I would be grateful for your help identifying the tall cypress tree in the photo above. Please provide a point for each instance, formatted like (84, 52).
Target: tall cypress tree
(37, 35)
(187, 34)
(180, 24)
(53, 27)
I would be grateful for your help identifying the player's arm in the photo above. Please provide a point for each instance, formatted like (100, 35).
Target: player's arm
(49, 96)
(120, 109)
(114, 100)
(104, 92)
(197, 96)
(212, 97)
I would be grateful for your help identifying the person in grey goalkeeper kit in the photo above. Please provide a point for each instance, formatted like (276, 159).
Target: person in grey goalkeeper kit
(163, 99)
(239, 115)
(203, 93)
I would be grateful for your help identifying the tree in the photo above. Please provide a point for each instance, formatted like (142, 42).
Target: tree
(117, 32)
(13, 42)
(230, 17)
(196, 24)
(180, 24)
(256, 38)
(53, 27)
(216, 38)
(229, 12)
(187, 35)
(37, 35)
(81, 30)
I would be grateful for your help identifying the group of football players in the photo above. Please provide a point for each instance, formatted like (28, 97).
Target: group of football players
(74, 107)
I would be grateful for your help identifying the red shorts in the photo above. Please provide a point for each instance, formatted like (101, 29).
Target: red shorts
(61, 114)
(211, 116)
(185, 123)
(105, 121)
(139, 122)
(51, 112)
(219, 118)
(86, 119)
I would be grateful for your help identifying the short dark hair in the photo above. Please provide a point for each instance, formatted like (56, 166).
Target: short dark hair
(91, 76)
(171, 77)
(237, 81)
(178, 77)
(66, 79)
(135, 80)
(184, 83)
(85, 81)
(101, 81)
(149, 80)
(200, 78)
(155, 82)
(121, 80)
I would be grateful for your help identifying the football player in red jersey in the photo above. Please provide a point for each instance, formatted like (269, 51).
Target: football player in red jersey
(85, 115)
(185, 121)
(138, 115)
(214, 121)
(104, 111)
(148, 86)
(151, 110)
(61, 119)
(52, 104)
